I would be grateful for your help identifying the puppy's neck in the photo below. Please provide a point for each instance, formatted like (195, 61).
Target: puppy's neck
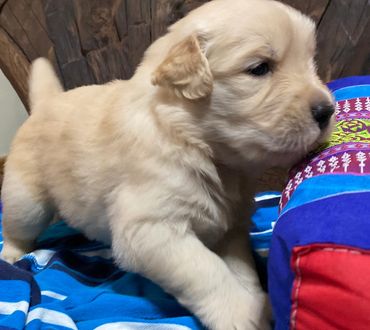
(177, 119)
(182, 121)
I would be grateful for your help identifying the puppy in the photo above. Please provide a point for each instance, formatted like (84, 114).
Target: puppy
(163, 166)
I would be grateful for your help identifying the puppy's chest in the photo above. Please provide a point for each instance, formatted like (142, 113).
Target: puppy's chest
(221, 209)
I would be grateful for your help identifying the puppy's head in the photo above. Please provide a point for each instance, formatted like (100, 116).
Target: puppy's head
(249, 65)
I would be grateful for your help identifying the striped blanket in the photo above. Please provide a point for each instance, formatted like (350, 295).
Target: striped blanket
(72, 283)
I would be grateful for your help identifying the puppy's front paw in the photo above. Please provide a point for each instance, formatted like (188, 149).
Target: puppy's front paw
(254, 314)
(246, 311)
(262, 314)
(11, 253)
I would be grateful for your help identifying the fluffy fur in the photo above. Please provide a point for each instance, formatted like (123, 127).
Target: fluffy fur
(163, 166)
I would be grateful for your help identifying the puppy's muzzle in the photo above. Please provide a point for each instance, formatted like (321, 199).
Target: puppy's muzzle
(322, 113)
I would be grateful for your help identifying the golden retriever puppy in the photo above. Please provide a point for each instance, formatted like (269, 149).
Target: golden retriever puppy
(163, 166)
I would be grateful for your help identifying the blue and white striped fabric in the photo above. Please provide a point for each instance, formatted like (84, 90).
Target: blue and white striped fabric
(263, 221)
(72, 283)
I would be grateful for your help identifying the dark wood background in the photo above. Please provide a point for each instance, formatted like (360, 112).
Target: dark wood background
(94, 41)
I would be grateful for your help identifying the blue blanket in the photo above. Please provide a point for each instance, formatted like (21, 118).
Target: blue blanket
(72, 283)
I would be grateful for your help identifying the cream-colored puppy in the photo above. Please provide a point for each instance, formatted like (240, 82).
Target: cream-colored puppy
(163, 166)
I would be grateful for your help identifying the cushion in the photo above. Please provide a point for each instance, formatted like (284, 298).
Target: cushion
(319, 259)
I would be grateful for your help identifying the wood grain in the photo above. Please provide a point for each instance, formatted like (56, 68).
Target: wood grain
(359, 60)
(313, 8)
(95, 41)
(14, 64)
(341, 29)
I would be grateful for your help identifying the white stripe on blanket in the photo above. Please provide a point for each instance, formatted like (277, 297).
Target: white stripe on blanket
(51, 317)
(53, 294)
(140, 326)
(8, 308)
(42, 257)
(103, 253)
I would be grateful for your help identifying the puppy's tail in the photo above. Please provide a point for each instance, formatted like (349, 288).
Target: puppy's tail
(43, 82)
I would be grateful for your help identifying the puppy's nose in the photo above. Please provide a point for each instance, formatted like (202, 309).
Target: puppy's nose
(322, 113)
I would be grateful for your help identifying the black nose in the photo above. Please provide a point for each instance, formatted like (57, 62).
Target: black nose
(322, 114)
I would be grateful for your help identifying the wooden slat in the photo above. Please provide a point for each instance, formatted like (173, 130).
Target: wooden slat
(62, 27)
(189, 5)
(77, 73)
(339, 32)
(14, 64)
(312, 8)
(161, 16)
(14, 28)
(37, 9)
(165, 13)
(110, 63)
(359, 61)
(138, 20)
(35, 34)
(95, 22)
(63, 31)
(120, 20)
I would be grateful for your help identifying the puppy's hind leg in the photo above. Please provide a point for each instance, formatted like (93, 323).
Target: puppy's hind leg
(25, 215)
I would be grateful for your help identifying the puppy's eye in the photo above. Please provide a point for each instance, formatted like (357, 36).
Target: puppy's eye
(260, 70)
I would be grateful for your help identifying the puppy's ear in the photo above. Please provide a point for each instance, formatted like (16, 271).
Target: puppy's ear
(185, 70)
